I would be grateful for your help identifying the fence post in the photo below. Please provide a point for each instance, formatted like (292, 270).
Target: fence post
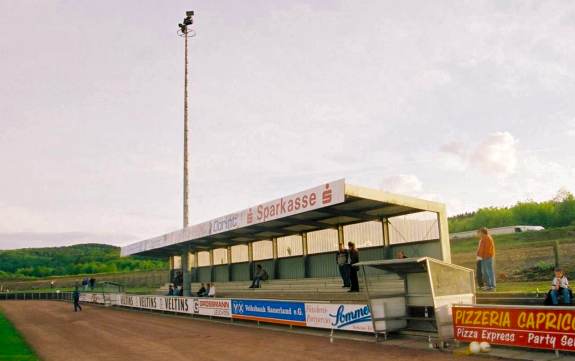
(556, 253)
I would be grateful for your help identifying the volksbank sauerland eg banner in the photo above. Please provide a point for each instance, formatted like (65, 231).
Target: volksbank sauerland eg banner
(339, 317)
(284, 312)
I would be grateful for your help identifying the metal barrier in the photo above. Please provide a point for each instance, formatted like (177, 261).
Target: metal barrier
(31, 296)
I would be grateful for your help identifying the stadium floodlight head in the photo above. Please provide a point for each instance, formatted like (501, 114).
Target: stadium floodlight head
(187, 22)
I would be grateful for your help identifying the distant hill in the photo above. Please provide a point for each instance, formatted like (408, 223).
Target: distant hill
(71, 260)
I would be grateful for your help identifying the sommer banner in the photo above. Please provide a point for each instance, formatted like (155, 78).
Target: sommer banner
(550, 328)
(284, 312)
(339, 317)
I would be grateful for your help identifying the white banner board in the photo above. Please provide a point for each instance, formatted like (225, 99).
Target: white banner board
(311, 199)
(339, 316)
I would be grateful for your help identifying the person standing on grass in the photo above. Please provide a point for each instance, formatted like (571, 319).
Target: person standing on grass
(486, 254)
(342, 259)
(76, 298)
(353, 259)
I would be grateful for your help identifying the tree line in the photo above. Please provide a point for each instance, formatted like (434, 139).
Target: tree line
(72, 260)
(557, 212)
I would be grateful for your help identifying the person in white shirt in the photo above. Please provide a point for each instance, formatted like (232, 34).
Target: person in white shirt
(212, 291)
(560, 287)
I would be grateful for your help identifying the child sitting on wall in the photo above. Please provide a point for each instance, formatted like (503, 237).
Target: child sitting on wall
(560, 288)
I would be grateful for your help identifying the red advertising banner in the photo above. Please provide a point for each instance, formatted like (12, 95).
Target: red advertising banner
(550, 328)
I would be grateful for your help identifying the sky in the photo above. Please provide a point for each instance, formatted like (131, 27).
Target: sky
(469, 103)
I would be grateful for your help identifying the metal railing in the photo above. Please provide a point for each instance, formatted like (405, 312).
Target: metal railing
(30, 296)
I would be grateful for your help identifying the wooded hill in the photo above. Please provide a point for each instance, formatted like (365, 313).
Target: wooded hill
(71, 260)
(558, 212)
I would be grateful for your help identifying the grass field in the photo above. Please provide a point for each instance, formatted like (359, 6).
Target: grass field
(12, 346)
(523, 261)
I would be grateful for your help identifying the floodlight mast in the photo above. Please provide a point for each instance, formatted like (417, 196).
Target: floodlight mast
(186, 33)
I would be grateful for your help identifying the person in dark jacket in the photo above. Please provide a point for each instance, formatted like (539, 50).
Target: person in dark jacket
(353, 259)
(261, 275)
(202, 291)
(342, 260)
(76, 298)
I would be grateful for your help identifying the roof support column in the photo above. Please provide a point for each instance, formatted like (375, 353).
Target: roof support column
(195, 267)
(251, 259)
(211, 252)
(229, 248)
(444, 235)
(305, 253)
(275, 257)
(340, 237)
(186, 272)
(386, 241)
(171, 270)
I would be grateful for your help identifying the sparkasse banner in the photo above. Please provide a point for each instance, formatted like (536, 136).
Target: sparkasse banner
(325, 195)
(551, 328)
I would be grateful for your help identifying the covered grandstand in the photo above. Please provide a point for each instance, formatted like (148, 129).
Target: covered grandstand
(295, 238)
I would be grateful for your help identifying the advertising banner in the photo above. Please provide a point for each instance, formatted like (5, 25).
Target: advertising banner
(215, 307)
(550, 328)
(339, 316)
(284, 312)
(325, 195)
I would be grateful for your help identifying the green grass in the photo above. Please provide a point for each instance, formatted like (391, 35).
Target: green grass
(506, 241)
(12, 346)
(524, 287)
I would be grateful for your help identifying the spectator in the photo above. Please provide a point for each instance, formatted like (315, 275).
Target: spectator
(181, 290)
(400, 255)
(52, 284)
(92, 283)
(202, 291)
(85, 283)
(212, 290)
(485, 254)
(76, 298)
(342, 260)
(171, 291)
(560, 287)
(261, 275)
(353, 259)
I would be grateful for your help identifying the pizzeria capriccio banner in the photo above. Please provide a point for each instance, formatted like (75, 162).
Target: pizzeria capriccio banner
(543, 328)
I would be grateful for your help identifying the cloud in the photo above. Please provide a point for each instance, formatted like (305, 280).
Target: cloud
(571, 127)
(453, 156)
(407, 184)
(497, 154)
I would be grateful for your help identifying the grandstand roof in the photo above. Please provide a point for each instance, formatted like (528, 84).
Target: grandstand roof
(323, 207)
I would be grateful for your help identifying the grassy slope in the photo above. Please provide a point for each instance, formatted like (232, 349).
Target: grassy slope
(12, 346)
(520, 254)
